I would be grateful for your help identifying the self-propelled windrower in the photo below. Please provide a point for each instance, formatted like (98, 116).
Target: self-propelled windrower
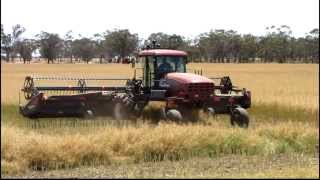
(164, 78)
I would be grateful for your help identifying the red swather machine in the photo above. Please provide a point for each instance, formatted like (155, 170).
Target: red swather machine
(164, 79)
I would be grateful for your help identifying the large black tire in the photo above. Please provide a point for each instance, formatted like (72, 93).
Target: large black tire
(240, 117)
(174, 115)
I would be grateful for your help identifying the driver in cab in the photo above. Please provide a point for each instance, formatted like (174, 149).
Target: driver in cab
(165, 67)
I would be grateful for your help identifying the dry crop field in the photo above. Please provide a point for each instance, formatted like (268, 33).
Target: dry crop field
(282, 139)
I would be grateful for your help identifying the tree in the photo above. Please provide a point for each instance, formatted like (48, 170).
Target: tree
(248, 48)
(9, 41)
(2, 40)
(2, 32)
(232, 45)
(84, 48)
(25, 48)
(6, 45)
(312, 39)
(161, 38)
(213, 45)
(50, 46)
(190, 46)
(67, 45)
(100, 46)
(176, 42)
(17, 30)
(121, 43)
(276, 44)
(167, 41)
(219, 45)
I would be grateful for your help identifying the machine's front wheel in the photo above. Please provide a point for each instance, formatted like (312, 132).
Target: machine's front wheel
(240, 117)
(174, 115)
(88, 114)
(211, 112)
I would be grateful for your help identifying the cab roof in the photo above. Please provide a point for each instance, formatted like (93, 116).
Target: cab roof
(162, 52)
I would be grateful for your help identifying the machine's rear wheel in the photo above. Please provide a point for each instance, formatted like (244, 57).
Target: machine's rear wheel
(240, 117)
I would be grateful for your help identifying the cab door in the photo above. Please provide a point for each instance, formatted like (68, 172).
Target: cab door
(148, 73)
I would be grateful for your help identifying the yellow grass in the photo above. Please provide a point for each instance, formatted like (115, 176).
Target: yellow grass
(287, 84)
(12, 75)
(166, 141)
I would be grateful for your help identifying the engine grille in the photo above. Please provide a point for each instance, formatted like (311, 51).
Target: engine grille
(202, 89)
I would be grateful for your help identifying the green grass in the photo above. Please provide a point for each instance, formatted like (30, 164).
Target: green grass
(259, 113)
(57, 143)
(278, 113)
(34, 150)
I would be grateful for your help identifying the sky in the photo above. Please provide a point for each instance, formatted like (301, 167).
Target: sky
(184, 17)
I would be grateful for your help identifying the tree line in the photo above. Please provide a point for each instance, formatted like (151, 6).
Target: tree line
(217, 46)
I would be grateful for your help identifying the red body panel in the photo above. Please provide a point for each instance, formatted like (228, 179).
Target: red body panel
(186, 78)
(162, 52)
(190, 87)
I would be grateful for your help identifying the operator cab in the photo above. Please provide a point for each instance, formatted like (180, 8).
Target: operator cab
(159, 62)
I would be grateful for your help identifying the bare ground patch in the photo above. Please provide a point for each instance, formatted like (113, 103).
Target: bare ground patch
(280, 166)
